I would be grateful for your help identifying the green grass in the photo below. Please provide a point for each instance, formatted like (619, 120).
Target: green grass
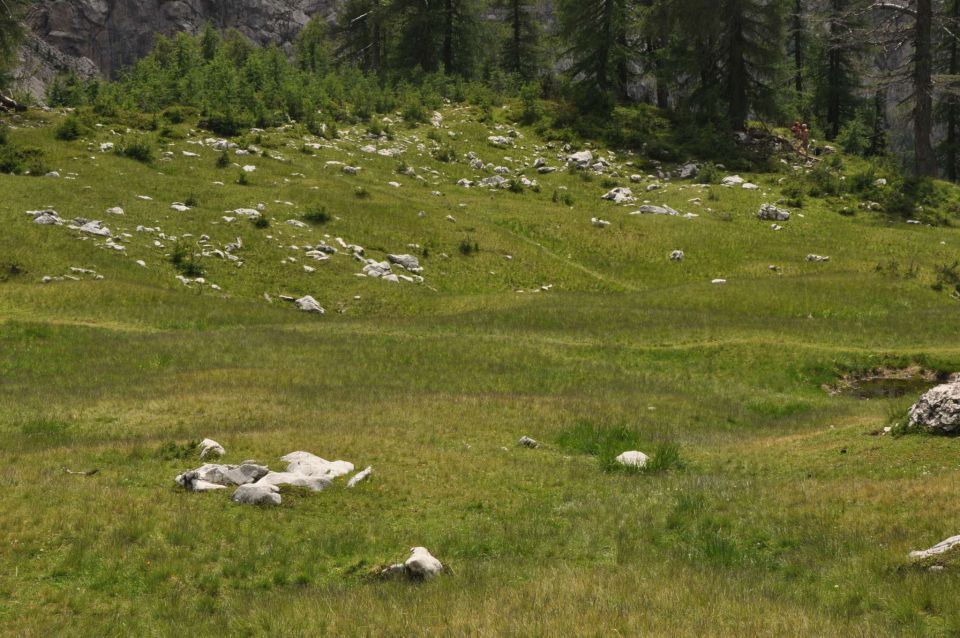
(767, 508)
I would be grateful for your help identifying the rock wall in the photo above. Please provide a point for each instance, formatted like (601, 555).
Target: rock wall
(115, 33)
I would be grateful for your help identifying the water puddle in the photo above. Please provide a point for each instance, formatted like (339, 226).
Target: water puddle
(887, 383)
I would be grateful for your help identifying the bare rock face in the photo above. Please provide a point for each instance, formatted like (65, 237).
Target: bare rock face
(938, 411)
(112, 34)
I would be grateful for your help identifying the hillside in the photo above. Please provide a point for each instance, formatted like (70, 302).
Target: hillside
(774, 506)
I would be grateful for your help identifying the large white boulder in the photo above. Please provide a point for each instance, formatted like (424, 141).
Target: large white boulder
(938, 410)
(422, 564)
(633, 459)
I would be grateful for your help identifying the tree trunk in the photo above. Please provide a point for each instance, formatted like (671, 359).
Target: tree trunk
(448, 36)
(953, 102)
(798, 46)
(737, 79)
(926, 162)
(517, 64)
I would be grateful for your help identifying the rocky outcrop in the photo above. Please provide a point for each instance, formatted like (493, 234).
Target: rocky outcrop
(108, 35)
(938, 411)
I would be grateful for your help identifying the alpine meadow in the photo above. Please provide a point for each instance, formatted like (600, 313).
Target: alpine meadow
(480, 318)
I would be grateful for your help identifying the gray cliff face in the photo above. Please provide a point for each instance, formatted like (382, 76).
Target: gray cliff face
(115, 33)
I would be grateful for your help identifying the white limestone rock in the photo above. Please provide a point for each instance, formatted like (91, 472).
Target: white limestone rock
(938, 410)
(633, 458)
(940, 548)
(359, 477)
(309, 304)
(210, 448)
(422, 564)
(257, 495)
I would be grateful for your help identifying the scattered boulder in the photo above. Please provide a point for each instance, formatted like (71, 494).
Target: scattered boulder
(209, 447)
(817, 259)
(309, 304)
(940, 548)
(359, 477)
(499, 140)
(257, 495)
(192, 482)
(583, 159)
(45, 217)
(938, 410)
(294, 479)
(676, 255)
(688, 171)
(526, 441)
(620, 195)
(312, 465)
(770, 212)
(95, 227)
(732, 180)
(407, 262)
(633, 459)
(599, 223)
(649, 209)
(422, 564)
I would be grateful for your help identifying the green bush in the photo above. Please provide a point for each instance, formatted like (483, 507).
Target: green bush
(69, 130)
(138, 149)
(467, 248)
(317, 216)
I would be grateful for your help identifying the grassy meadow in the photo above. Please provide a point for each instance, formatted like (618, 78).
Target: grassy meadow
(778, 514)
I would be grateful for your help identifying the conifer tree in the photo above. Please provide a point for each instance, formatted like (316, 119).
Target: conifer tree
(598, 35)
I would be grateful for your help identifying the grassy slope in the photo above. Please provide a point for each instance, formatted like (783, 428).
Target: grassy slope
(769, 530)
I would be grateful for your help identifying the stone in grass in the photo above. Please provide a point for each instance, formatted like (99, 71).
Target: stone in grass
(422, 564)
(209, 447)
(526, 441)
(309, 304)
(938, 410)
(676, 255)
(257, 495)
(937, 550)
(312, 465)
(359, 477)
(633, 459)
(293, 479)
(192, 482)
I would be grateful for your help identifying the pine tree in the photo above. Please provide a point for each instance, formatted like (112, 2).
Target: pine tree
(735, 49)
(312, 47)
(438, 33)
(839, 53)
(361, 33)
(948, 108)
(521, 51)
(11, 33)
(598, 34)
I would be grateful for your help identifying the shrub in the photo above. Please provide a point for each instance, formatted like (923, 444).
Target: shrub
(185, 262)
(33, 162)
(138, 149)
(317, 216)
(243, 180)
(191, 201)
(223, 160)
(665, 457)
(361, 193)
(854, 137)
(516, 186)
(261, 222)
(708, 174)
(948, 278)
(564, 198)
(69, 130)
(445, 154)
(466, 248)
